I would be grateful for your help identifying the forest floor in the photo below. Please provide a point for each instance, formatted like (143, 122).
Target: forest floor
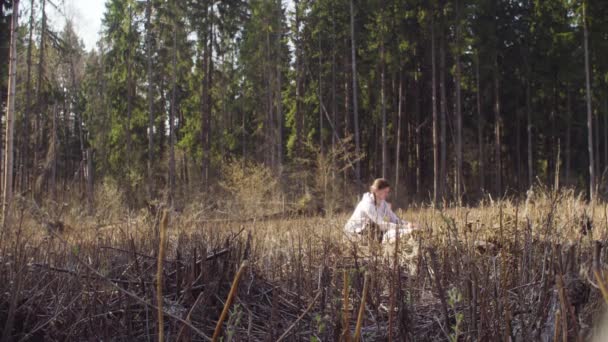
(530, 270)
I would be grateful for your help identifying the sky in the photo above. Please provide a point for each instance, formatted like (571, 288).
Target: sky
(86, 16)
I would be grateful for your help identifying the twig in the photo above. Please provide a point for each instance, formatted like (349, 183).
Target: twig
(300, 317)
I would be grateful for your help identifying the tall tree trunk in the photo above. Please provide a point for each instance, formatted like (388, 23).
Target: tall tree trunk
(269, 105)
(529, 132)
(436, 186)
(383, 109)
(557, 165)
(298, 114)
(39, 131)
(597, 154)
(320, 96)
(10, 125)
(25, 146)
(589, 110)
(398, 147)
(497, 131)
(279, 96)
(568, 128)
(417, 140)
(210, 89)
(90, 182)
(204, 106)
(605, 133)
(459, 179)
(150, 99)
(442, 117)
(334, 100)
(482, 184)
(53, 146)
(355, 111)
(518, 181)
(172, 118)
(129, 90)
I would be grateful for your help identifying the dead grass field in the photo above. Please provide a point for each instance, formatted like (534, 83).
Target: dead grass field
(500, 271)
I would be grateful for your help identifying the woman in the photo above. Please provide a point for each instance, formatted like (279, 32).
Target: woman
(373, 216)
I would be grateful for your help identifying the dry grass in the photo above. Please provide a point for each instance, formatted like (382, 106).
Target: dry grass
(500, 270)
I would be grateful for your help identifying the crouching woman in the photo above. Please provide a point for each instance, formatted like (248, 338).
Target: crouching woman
(373, 217)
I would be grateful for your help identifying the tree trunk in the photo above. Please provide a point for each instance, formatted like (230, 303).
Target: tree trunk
(417, 140)
(568, 128)
(383, 109)
(204, 108)
(298, 114)
(269, 126)
(90, 181)
(529, 131)
(597, 154)
(442, 117)
(497, 128)
(172, 120)
(479, 128)
(10, 119)
(320, 97)
(398, 147)
(557, 165)
(150, 99)
(209, 90)
(605, 133)
(53, 148)
(129, 91)
(279, 95)
(334, 100)
(589, 111)
(26, 170)
(355, 111)
(436, 188)
(459, 179)
(39, 103)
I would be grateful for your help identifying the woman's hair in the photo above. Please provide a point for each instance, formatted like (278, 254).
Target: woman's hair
(379, 184)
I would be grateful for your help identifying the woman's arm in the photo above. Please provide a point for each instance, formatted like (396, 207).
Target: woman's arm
(393, 218)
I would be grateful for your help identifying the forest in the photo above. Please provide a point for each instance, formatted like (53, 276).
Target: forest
(203, 143)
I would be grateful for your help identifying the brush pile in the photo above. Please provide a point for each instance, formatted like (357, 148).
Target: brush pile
(527, 271)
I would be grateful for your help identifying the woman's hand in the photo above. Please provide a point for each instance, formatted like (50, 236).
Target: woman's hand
(412, 226)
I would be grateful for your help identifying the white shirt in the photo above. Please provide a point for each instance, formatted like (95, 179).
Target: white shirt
(368, 211)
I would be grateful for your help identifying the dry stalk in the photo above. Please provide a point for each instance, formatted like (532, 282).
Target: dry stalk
(345, 310)
(602, 285)
(557, 326)
(159, 274)
(357, 337)
(231, 295)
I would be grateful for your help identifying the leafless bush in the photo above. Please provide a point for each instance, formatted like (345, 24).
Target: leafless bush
(253, 187)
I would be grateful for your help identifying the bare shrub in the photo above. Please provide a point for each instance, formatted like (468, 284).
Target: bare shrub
(109, 201)
(253, 187)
